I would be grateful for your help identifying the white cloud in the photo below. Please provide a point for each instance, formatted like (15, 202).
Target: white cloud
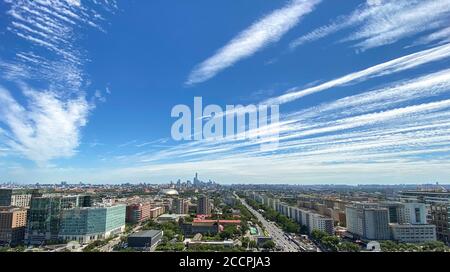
(386, 68)
(267, 30)
(379, 23)
(386, 124)
(441, 36)
(47, 128)
(45, 125)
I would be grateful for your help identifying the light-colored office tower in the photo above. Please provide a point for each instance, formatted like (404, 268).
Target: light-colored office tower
(368, 221)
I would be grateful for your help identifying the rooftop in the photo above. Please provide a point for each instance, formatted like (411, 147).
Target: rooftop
(146, 233)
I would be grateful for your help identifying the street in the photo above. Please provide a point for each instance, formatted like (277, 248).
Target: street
(274, 231)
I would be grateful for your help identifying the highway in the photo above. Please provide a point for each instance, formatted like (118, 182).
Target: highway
(274, 231)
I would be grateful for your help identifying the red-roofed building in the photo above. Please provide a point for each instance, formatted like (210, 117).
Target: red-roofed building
(221, 222)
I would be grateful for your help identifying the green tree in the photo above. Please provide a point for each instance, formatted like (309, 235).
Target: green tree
(318, 235)
(435, 246)
(348, 247)
(253, 244)
(330, 242)
(269, 244)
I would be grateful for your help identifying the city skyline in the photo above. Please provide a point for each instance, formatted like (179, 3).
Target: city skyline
(87, 89)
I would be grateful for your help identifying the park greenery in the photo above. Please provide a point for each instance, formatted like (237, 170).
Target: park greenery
(434, 246)
(168, 246)
(19, 248)
(333, 243)
(248, 243)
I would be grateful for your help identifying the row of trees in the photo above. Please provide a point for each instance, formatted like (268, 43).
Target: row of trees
(333, 243)
(436, 246)
(287, 224)
(93, 247)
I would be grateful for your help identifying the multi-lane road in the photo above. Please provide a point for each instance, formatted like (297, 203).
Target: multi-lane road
(277, 234)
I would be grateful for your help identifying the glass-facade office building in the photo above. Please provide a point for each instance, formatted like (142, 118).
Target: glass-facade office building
(91, 223)
(44, 216)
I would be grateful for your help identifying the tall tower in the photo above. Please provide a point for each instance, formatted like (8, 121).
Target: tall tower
(196, 181)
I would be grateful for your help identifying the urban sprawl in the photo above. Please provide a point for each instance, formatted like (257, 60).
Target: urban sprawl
(206, 216)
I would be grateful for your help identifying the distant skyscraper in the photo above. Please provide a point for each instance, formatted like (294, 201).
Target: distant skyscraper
(203, 206)
(196, 180)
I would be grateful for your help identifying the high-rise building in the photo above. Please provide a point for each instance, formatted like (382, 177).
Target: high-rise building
(85, 224)
(408, 222)
(181, 206)
(414, 213)
(44, 216)
(368, 221)
(12, 225)
(204, 206)
(196, 180)
(395, 210)
(438, 209)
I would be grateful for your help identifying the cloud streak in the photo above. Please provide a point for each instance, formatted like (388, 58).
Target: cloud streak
(379, 23)
(393, 66)
(263, 32)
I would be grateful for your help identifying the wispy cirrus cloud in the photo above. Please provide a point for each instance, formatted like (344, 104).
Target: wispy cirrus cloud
(47, 128)
(45, 122)
(390, 67)
(398, 124)
(383, 22)
(263, 32)
(440, 36)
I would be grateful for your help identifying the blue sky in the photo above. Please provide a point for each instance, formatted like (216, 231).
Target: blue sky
(87, 87)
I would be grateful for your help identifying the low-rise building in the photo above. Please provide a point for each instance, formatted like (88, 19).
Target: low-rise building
(413, 233)
(171, 217)
(145, 239)
(156, 212)
(193, 228)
